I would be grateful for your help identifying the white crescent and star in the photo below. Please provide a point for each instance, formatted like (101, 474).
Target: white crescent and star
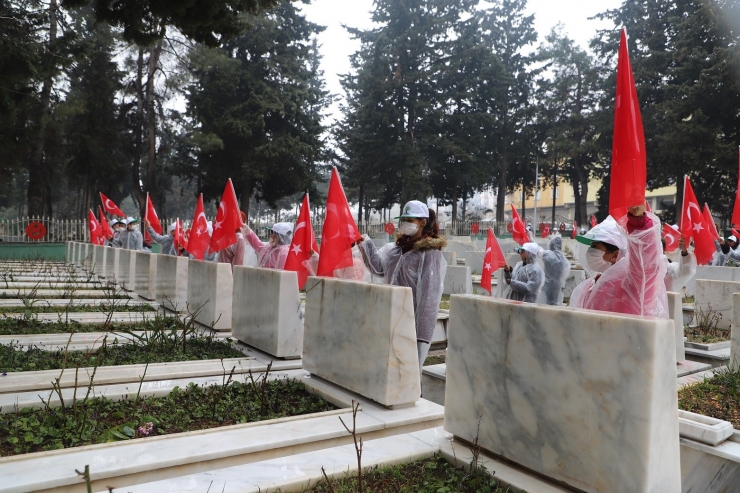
(202, 227)
(93, 226)
(220, 215)
(673, 238)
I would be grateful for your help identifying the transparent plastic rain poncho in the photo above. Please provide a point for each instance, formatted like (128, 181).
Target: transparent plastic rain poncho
(270, 257)
(166, 242)
(678, 273)
(234, 253)
(422, 269)
(556, 268)
(526, 280)
(635, 284)
(358, 271)
(134, 240)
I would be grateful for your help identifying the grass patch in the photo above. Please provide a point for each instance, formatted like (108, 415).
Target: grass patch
(434, 359)
(77, 295)
(444, 304)
(431, 475)
(718, 397)
(688, 299)
(22, 326)
(98, 420)
(100, 307)
(15, 358)
(705, 328)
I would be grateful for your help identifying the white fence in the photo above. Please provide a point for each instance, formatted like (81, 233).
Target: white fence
(42, 229)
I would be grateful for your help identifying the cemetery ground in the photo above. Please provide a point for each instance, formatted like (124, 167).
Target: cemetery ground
(112, 392)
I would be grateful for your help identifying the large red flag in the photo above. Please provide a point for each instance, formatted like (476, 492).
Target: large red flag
(593, 221)
(151, 216)
(104, 226)
(228, 220)
(199, 237)
(493, 260)
(711, 226)
(735, 233)
(575, 230)
(628, 173)
(96, 232)
(339, 231)
(110, 207)
(671, 238)
(693, 225)
(179, 237)
(736, 209)
(303, 242)
(519, 231)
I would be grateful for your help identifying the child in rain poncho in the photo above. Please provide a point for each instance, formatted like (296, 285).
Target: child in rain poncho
(526, 278)
(678, 273)
(626, 267)
(134, 239)
(727, 253)
(272, 255)
(415, 260)
(556, 268)
(166, 242)
(120, 234)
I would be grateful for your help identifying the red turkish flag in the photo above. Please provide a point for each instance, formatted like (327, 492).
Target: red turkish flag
(179, 237)
(339, 230)
(628, 172)
(519, 230)
(671, 238)
(493, 260)
(104, 226)
(110, 207)
(736, 209)
(575, 230)
(303, 242)
(693, 225)
(96, 231)
(228, 220)
(151, 216)
(593, 221)
(711, 226)
(199, 237)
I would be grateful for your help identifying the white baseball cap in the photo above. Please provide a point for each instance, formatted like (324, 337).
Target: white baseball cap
(732, 238)
(414, 208)
(173, 226)
(130, 220)
(282, 228)
(531, 247)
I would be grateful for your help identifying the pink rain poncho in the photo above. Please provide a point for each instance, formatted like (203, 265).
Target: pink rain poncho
(422, 269)
(635, 284)
(270, 257)
(233, 254)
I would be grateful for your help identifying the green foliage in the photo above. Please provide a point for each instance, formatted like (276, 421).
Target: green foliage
(430, 475)
(32, 306)
(256, 105)
(98, 420)
(717, 397)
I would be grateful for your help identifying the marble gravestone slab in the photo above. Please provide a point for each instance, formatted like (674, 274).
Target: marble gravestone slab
(210, 288)
(457, 280)
(99, 254)
(735, 338)
(713, 274)
(124, 275)
(87, 260)
(716, 296)
(675, 311)
(267, 311)
(111, 263)
(67, 251)
(584, 397)
(576, 277)
(145, 275)
(362, 337)
(172, 282)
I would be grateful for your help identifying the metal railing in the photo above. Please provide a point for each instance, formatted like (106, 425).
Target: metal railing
(42, 230)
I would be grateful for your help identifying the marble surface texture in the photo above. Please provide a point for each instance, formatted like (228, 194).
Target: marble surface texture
(172, 282)
(111, 263)
(99, 259)
(713, 274)
(735, 337)
(145, 275)
(576, 277)
(675, 311)
(363, 338)
(457, 280)
(707, 469)
(716, 295)
(267, 311)
(124, 268)
(210, 288)
(584, 397)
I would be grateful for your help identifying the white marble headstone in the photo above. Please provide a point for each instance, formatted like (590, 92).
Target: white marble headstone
(112, 256)
(172, 282)
(99, 259)
(145, 275)
(675, 310)
(267, 312)
(584, 397)
(735, 338)
(716, 296)
(210, 289)
(362, 337)
(713, 274)
(457, 280)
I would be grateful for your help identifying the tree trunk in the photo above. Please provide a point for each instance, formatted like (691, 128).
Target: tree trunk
(454, 207)
(151, 122)
(584, 200)
(679, 199)
(139, 194)
(501, 197)
(38, 186)
(359, 202)
(577, 194)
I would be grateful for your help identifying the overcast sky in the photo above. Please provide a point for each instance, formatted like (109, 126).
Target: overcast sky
(337, 45)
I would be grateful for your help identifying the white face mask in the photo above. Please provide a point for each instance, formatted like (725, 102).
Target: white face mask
(595, 260)
(409, 229)
(134, 227)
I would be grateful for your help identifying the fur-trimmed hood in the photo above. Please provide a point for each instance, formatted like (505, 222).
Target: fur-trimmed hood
(428, 243)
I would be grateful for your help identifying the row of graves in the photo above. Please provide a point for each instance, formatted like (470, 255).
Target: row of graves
(134, 372)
